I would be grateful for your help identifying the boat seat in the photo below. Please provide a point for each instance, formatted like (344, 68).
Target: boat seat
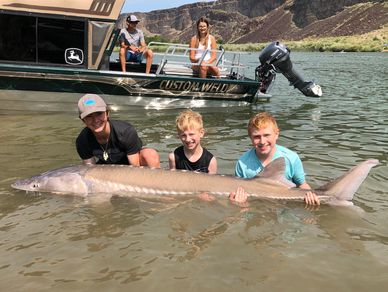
(185, 70)
(132, 67)
(177, 69)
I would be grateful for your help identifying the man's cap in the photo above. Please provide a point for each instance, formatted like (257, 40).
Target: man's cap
(90, 103)
(132, 18)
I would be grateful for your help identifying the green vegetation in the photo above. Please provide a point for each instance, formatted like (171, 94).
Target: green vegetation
(156, 38)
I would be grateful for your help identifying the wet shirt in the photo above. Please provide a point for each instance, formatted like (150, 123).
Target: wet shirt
(249, 165)
(201, 165)
(123, 141)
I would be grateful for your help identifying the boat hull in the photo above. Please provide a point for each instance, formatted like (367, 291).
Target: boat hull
(40, 78)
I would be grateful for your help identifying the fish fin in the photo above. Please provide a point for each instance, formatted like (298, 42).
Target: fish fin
(275, 171)
(98, 199)
(345, 186)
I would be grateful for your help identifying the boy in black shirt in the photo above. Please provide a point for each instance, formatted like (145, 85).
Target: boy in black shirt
(191, 155)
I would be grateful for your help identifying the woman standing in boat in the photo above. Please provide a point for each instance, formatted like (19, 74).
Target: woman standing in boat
(200, 43)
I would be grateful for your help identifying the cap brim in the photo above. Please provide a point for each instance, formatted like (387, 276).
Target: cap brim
(92, 110)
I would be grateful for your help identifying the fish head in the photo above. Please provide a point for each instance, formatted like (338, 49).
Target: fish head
(32, 184)
(65, 180)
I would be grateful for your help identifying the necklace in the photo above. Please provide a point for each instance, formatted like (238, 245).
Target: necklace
(105, 154)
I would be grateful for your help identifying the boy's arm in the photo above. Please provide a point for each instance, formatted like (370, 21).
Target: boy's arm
(134, 159)
(213, 166)
(89, 161)
(171, 160)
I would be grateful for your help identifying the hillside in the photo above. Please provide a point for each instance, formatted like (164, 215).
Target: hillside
(255, 21)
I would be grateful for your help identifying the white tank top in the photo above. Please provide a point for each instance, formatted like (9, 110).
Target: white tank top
(201, 49)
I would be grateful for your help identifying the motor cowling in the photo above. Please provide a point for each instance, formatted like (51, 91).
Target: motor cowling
(276, 58)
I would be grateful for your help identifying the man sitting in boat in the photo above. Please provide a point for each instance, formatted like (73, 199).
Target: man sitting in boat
(132, 45)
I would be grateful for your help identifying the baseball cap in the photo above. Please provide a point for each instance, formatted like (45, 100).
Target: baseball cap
(90, 103)
(132, 18)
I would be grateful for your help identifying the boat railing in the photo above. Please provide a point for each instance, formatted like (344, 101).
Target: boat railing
(175, 60)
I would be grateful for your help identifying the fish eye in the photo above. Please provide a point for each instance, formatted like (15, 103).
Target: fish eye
(35, 185)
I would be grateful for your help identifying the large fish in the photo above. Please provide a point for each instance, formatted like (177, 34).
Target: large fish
(145, 182)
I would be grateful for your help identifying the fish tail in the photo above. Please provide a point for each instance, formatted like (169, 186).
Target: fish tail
(344, 187)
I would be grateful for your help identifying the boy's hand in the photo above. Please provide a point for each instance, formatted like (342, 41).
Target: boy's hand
(206, 197)
(239, 197)
(311, 198)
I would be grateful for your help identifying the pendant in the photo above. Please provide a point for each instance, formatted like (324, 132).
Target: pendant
(105, 156)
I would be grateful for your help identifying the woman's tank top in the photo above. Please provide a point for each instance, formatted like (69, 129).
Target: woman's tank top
(201, 49)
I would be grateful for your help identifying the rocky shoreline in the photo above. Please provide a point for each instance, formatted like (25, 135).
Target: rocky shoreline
(262, 21)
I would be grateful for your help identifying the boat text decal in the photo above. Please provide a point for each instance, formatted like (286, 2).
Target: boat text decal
(194, 86)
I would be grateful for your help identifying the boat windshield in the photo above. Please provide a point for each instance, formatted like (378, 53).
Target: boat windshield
(36, 39)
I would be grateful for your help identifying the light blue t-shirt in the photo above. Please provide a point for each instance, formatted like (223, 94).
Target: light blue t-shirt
(249, 165)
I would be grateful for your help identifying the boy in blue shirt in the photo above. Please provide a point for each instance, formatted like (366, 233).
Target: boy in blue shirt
(264, 132)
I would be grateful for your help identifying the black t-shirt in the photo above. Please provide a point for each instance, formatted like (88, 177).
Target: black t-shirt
(123, 141)
(201, 165)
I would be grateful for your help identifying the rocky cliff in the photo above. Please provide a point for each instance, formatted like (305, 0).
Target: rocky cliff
(246, 21)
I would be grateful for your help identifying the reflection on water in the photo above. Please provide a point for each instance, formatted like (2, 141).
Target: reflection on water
(69, 243)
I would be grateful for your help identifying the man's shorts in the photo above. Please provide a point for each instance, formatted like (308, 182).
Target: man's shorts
(134, 57)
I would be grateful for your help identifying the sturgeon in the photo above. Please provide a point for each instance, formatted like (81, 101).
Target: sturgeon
(128, 181)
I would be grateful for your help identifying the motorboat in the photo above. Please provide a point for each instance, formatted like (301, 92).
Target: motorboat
(69, 46)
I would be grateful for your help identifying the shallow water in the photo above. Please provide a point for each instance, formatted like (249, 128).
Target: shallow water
(66, 243)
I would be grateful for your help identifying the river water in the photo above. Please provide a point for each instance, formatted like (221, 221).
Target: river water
(66, 243)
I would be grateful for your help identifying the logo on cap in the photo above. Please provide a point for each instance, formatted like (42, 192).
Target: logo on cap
(90, 102)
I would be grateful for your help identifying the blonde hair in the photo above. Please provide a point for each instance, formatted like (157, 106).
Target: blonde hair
(262, 120)
(188, 119)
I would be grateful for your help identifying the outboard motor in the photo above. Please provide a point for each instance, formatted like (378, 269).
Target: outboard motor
(276, 58)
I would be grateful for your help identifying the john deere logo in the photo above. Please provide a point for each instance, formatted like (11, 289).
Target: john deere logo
(74, 56)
